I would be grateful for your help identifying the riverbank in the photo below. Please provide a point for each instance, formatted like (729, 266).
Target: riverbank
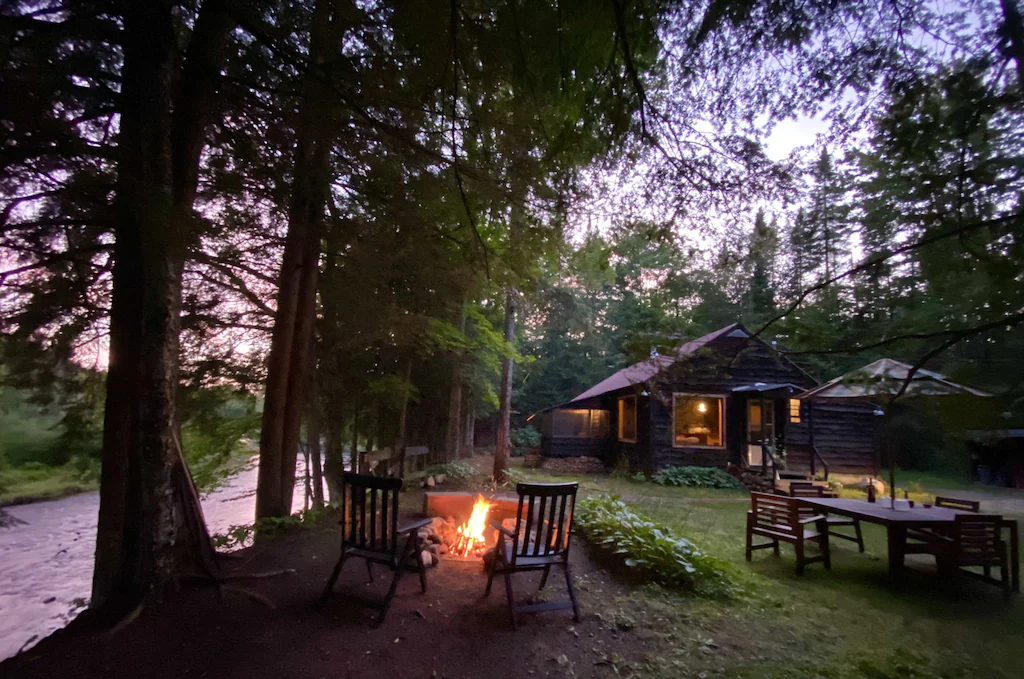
(22, 486)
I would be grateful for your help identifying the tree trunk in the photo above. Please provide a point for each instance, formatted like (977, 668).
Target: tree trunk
(402, 418)
(501, 439)
(296, 301)
(468, 434)
(313, 434)
(150, 526)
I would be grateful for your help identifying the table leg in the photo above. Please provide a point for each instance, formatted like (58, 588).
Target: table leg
(1014, 554)
(897, 543)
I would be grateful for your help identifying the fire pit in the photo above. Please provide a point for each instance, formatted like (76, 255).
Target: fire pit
(461, 528)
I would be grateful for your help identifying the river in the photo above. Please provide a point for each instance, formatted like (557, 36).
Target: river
(46, 564)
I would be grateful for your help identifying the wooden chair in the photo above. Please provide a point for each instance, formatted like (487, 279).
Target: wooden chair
(954, 503)
(540, 541)
(370, 532)
(810, 490)
(779, 519)
(975, 541)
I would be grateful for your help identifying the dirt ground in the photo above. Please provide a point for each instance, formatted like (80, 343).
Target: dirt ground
(451, 631)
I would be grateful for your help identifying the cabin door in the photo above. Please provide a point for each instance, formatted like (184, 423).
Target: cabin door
(760, 429)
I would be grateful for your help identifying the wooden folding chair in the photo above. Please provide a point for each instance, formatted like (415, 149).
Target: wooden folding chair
(811, 490)
(540, 541)
(370, 532)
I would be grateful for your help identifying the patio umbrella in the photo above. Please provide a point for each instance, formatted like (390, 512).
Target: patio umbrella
(884, 382)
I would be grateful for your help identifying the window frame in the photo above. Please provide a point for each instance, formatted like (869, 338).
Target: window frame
(619, 418)
(721, 419)
(590, 424)
(794, 413)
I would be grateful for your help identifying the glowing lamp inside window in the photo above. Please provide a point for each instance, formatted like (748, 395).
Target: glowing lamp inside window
(702, 407)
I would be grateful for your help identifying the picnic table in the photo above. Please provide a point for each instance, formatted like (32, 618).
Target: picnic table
(897, 522)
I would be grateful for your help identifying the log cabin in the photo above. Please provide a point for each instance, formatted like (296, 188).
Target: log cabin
(725, 398)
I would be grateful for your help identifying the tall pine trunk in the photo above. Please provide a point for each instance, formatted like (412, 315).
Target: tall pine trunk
(296, 301)
(501, 439)
(313, 432)
(468, 435)
(150, 526)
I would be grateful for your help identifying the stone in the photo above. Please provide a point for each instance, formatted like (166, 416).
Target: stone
(430, 482)
(442, 549)
(427, 558)
(440, 478)
(434, 559)
(432, 548)
(447, 540)
(435, 538)
(864, 482)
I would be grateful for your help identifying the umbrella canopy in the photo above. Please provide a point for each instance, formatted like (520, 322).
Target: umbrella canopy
(883, 382)
(886, 377)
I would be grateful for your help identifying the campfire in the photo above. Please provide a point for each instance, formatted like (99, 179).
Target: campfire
(470, 540)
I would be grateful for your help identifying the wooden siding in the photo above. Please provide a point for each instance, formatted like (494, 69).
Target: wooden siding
(728, 363)
(845, 433)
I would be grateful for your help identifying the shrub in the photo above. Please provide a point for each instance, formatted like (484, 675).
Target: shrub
(459, 470)
(695, 477)
(522, 439)
(651, 548)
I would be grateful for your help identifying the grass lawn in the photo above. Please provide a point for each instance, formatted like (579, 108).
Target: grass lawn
(36, 483)
(850, 622)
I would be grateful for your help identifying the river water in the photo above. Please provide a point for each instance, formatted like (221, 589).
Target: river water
(46, 564)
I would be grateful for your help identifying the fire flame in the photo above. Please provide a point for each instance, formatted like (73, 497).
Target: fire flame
(470, 540)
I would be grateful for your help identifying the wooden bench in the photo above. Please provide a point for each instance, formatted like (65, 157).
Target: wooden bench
(779, 519)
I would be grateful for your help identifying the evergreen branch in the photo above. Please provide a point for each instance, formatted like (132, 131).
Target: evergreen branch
(878, 259)
(955, 333)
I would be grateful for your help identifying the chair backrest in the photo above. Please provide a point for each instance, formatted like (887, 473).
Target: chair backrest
(544, 519)
(954, 503)
(370, 508)
(775, 513)
(805, 490)
(978, 539)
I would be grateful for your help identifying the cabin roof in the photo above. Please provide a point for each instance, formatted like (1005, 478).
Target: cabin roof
(645, 370)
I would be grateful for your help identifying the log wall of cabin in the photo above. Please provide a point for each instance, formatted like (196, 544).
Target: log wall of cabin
(845, 433)
(735, 362)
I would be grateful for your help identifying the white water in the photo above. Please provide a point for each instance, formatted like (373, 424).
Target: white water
(46, 564)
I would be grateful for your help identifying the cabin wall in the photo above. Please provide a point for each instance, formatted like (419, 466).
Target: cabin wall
(564, 446)
(845, 433)
(735, 362)
(636, 454)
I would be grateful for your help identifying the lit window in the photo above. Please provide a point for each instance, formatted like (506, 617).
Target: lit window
(794, 410)
(580, 424)
(697, 420)
(627, 419)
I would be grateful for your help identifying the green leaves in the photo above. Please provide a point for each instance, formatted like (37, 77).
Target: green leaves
(652, 548)
(695, 477)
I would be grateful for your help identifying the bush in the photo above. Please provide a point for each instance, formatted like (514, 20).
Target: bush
(522, 439)
(651, 548)
(460, 470)
(695, 477)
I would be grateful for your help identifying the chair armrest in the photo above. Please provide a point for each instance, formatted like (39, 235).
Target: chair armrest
(415, 526)
(813, 519)
(496, 525)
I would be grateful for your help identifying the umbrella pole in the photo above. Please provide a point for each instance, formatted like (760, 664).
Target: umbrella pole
(888, 453)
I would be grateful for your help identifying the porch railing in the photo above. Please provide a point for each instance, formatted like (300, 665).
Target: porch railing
(816, 457)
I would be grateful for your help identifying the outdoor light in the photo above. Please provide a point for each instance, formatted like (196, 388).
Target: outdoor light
(702, 407)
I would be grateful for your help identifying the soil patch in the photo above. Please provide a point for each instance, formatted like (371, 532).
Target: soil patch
(451, 631)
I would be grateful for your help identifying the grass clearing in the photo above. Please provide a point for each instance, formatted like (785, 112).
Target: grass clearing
(847, 622)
